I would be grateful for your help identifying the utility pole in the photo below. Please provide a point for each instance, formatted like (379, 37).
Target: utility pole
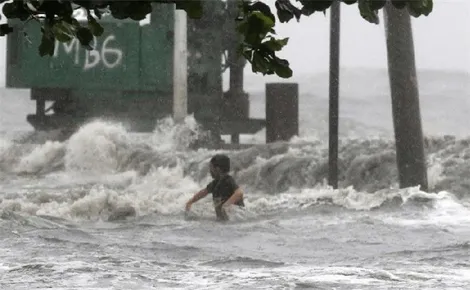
(180, 67)
(409, 142)
(335, 25)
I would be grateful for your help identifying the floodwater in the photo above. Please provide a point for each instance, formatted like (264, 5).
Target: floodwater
(105, 209)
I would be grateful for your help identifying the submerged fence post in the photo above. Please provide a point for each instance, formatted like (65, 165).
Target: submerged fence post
(282, 111)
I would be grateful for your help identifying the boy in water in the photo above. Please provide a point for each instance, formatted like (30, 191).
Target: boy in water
(223, 187)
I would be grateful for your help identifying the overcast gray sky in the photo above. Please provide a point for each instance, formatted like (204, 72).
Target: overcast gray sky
(442, 40)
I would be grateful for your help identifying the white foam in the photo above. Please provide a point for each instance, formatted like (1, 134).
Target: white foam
(98, 147)
(446, 212)
(5, 143)
(95, 154)
(171, 136)
(40, 157)
(165, 191)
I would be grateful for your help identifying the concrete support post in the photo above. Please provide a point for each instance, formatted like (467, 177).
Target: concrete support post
(282, 111)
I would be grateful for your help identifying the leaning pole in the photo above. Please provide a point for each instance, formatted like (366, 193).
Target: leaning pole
(409, 142)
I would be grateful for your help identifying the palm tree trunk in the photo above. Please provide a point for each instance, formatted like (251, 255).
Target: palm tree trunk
(405, 99)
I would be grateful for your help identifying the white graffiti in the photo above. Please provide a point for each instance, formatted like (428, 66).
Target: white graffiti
(105, 54)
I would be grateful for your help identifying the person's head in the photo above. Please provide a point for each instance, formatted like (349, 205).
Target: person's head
(219, 165)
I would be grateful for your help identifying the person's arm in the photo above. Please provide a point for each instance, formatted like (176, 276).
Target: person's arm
(201, 194)
(235, 197)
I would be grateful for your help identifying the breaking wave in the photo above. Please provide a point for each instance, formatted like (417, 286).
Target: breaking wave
(103, 168)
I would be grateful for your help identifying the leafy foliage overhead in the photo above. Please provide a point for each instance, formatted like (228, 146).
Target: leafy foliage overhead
(256, 21)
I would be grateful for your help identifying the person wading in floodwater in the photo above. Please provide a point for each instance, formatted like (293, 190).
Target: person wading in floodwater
(225, 191)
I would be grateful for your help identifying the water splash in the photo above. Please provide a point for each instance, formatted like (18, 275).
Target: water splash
(103, 167)
(97, 146)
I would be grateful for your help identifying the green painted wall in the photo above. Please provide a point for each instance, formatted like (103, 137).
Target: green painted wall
(126, 57)
(130, 70)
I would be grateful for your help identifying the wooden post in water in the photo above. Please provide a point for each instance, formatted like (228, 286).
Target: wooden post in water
(282, 111)
(334, 94)
(180, 67)
(405, 99)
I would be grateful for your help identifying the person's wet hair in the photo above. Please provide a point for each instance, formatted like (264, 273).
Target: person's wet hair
(221, 161)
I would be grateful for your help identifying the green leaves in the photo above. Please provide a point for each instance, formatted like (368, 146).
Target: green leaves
(367, 11)
(192, 7)
(139, 10)
(47, 41)
(62, 31)
(15, 10)
(399, 4)
(47, 46)
(5, 29)
(418, 8)
(259, 46)
(377, 4)
(275, 44)
(256, 27)
(286, 11)
(120, 9)
(135, 10)
(85, 37)
(309, 7)
(95, 28)
(265, 61)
